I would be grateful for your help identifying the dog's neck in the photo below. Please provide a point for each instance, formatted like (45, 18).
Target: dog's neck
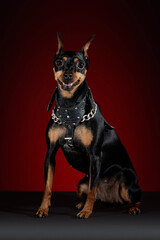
(75, 99)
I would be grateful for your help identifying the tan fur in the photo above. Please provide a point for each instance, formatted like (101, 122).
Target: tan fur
(91, 198)
(85, 48)
(76, 76)
(124, 193)
(88, 207)
(67, 94)
(79, 76)
(108, 190)
(55, 133)
(79, 205)
(76, 60)
(135, 209)
(59, 44)
(82, 189)
(50, 176)
(65, 58)
(84, 135)
(58, 75)
(46, 201)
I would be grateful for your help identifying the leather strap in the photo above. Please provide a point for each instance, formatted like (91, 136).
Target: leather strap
(52, 99)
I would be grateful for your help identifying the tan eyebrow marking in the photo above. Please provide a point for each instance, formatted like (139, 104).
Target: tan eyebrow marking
(76, 60)
(65, 58)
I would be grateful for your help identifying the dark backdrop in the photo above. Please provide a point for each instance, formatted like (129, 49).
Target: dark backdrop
(123, 75)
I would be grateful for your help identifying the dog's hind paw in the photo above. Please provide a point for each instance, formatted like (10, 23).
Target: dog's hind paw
(134, 211)
(79, 205)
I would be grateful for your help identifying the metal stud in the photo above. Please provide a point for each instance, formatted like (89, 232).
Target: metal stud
(78, 117)
(67, 116)
(76, 108)
(65, 110)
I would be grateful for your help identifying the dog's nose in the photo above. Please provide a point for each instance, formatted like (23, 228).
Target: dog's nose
(68, 75)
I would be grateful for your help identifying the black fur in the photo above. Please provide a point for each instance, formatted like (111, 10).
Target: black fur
(106, 156)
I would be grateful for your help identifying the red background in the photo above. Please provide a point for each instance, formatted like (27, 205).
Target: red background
(123, 76)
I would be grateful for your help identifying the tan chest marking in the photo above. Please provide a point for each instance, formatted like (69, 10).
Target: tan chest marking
(84, 135)
(67, 94)
(55, 133)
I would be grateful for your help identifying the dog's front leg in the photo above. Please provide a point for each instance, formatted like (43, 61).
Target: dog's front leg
(49, 168)
(92, 188)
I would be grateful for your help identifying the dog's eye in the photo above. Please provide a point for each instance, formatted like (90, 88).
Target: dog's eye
(80, 65)
(59, 63)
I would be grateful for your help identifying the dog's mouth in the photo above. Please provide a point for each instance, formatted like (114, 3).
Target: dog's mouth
(68, 86)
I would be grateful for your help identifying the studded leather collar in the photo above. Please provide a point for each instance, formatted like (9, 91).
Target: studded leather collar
(70, 116)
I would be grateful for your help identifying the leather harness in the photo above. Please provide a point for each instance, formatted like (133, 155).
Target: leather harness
(70, 117)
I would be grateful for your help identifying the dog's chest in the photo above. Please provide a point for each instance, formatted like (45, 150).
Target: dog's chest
(75, 153)
(82, 135)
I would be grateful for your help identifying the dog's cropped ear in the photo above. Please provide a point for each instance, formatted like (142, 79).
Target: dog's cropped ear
(86, 46)
(60, 43)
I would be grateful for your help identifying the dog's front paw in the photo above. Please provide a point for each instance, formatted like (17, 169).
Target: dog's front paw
(84, 213)
(42, 212)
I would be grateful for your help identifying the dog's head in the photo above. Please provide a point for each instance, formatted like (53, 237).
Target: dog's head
(70, 67)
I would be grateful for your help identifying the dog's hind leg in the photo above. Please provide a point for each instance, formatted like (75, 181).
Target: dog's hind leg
(82, 190)
(131, 195)
(92, 191)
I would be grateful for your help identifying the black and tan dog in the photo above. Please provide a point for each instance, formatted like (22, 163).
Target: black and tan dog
(88, 142)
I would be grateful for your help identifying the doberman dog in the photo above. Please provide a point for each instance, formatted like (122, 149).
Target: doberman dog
(88, 142)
